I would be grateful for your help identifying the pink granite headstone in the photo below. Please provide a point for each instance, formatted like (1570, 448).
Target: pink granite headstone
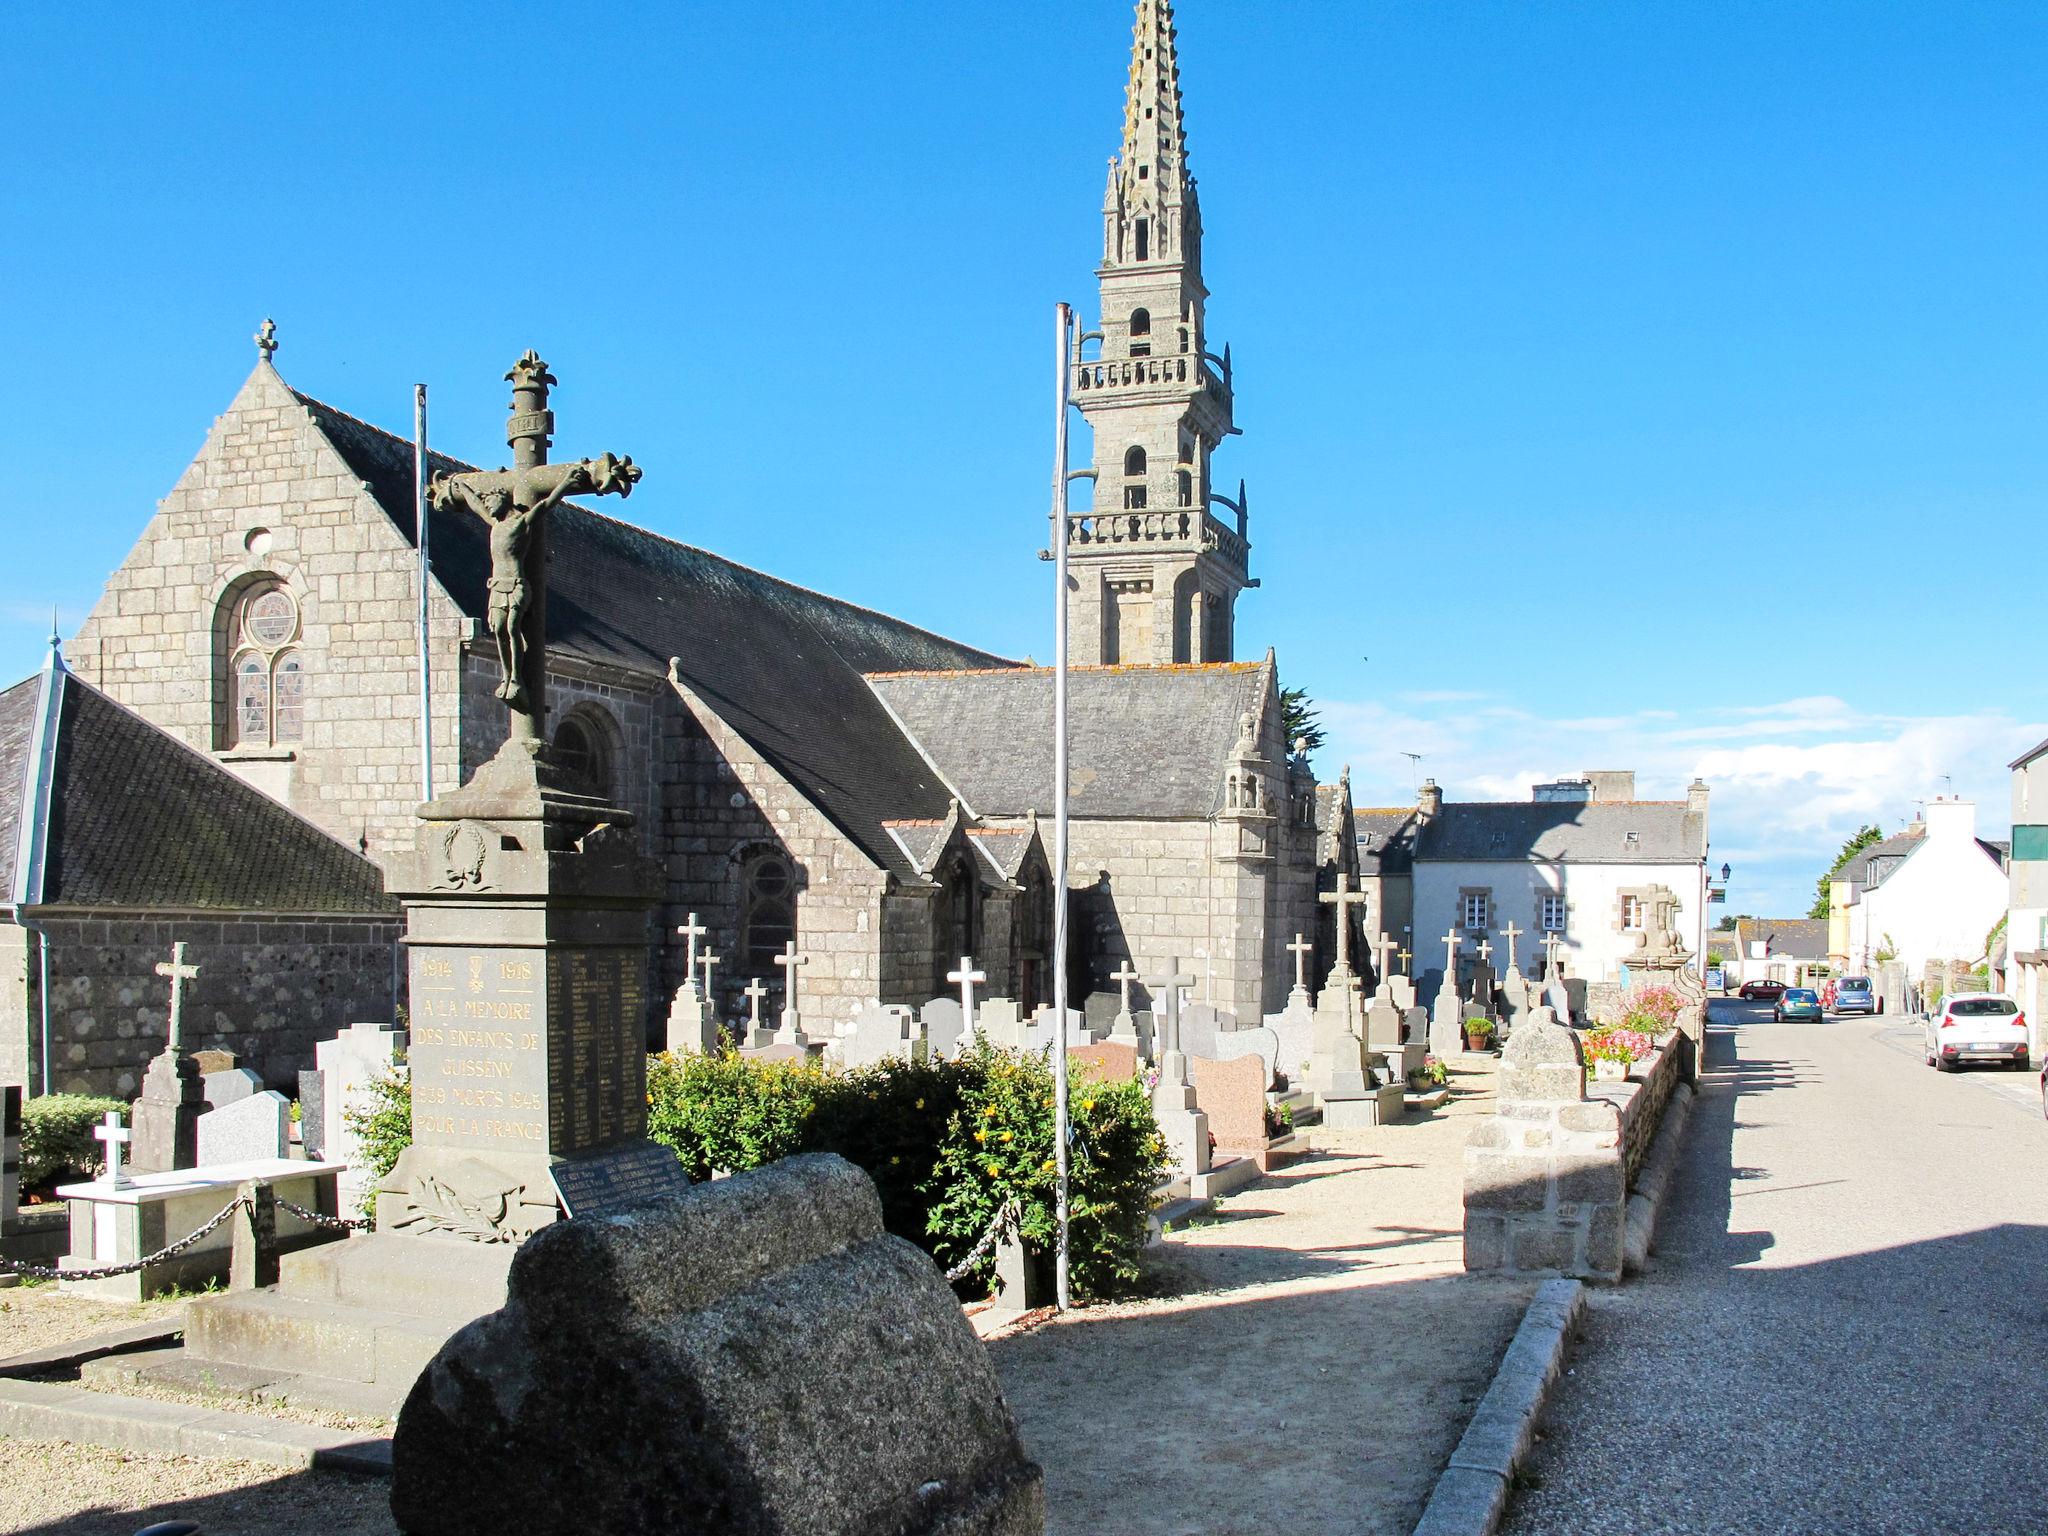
(1113, 1060)
(1233, 1095)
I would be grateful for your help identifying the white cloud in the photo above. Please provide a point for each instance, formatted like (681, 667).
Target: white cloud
(1791, 779)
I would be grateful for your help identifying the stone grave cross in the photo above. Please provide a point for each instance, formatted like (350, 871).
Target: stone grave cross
(1405, 956)
(1383, 955)
(707, 960)
(1511, 933)
(179, 973)
(1343, 899)
(692, 931)
(114, 1134)
(1301, 949)
(1168, 988)
(1451, 961)
(755, 992)
(1485, 950)
(965, 978)
(1123, 977)
(792, 1020)
(1552, 943)
(514, 505)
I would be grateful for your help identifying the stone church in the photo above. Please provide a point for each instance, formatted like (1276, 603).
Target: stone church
(806, 770)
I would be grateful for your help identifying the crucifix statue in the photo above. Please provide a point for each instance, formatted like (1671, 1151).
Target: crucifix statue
(179, 973)
(515, 503)
(1343, 899)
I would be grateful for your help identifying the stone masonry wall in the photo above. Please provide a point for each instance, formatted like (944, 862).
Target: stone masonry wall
(720, 798)
(269, 497)
(17, 959)
(268, 988)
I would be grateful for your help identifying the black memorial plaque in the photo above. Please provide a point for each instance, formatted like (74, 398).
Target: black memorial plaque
(605, 1182)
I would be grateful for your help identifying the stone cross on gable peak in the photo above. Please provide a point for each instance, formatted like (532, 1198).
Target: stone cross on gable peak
(179, 973)
(1301, 949)
(266, 339)
(114, 1134)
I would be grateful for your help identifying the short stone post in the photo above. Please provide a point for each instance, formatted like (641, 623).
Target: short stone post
(1546, 1190)
(1020, 1279)
(10, 1156)
(252, 1262)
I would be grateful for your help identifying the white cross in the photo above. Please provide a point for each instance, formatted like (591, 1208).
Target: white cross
(789, 960)
(707, 960)
(1383, 953)
(1552, 943)
(755, 992)
(1123, 978)
(1174, 979)
(179, 973)
(692, 931)
(1511, 933)
(1451, 961)
(114, 1134)
(966, 976)
(1343, 899)
(1485, 949)
(1301, 949)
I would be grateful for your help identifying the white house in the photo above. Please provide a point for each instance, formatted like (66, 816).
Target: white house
(1940, 899)
(1572, 861)
(1792, 950)
(2026, 924)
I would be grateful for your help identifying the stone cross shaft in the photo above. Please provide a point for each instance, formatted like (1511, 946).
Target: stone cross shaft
(707, 960)
(789, 960)
(1552, 943)
(1343, 899)
(1301, 949)
(965, 978)
(1511, 933)
(515, 504)
(115, 1135)
(1169, 987)
(691, 932)
(179, 973)
(1485, 950)
(1405, 956)
(1383, 955)
(755, 992)
(1451, 961)
(1123, 977)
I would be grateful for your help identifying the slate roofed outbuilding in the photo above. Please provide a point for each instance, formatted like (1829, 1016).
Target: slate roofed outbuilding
(1564, 832)
(138, 821)
(781, 665)
(1146, 743)
(1798, 938)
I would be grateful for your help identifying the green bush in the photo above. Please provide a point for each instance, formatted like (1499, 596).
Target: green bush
(56, 1137)
(947, 1143)
(383, 1127)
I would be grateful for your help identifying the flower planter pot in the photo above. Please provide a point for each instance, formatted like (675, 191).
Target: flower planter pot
(1478, 1042)
(1610, 1071)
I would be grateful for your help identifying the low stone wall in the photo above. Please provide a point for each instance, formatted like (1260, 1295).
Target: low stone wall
(1547, 1176)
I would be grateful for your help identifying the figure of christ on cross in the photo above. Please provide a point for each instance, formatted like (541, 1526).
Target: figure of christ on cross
(515, 504)
(1343, 899)
(179, 973)
(1301, 949)
(965, 978)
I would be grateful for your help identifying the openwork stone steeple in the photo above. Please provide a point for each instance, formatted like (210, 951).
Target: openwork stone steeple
(1157, 571)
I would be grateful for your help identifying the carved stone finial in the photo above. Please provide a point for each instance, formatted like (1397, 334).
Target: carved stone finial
(531, 373)
(266, 339)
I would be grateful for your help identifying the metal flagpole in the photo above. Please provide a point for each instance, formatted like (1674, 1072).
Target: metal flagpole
(419, 502)
(1063, 330)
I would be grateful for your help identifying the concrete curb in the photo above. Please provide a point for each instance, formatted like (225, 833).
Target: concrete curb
(71, 1355)
(1648, 1195)
(1472, 1493)
(42, 1410)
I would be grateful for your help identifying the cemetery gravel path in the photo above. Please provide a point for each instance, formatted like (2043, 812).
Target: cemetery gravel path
(1843, 1327)
(1316, 1364)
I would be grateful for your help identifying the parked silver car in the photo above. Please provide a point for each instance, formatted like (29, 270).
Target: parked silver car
(1854, 994)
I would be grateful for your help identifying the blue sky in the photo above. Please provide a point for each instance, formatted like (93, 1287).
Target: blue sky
(1621, 385)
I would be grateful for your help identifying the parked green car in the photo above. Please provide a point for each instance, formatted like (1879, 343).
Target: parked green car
(1798, 1003)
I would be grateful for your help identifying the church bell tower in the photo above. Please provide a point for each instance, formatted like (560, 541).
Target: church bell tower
(1159, 559)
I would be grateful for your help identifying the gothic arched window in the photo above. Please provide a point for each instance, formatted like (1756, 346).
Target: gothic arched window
(266, 674)
(767, 913)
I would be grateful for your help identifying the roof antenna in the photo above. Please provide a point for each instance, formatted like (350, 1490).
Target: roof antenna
(1415, 767)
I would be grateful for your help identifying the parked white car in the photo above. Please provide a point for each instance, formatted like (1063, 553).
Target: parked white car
(1977, 1027)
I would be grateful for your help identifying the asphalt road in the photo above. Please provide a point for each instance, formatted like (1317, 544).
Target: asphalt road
(1845, 1325)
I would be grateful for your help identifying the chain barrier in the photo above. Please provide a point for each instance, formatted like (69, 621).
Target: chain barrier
(1006, 1218)
(108, 1271)
(338, 1223)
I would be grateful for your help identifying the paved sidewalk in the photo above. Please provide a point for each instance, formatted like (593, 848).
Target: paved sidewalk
(1842, 1329)
(1313, 1376)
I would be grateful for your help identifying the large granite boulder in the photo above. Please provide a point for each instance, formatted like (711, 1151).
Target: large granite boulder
(755, 1356)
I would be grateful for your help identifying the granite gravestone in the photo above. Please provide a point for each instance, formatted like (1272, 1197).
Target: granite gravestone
(226, 1085)
(165, 1120)
(944, 1025)
(757, 1355)
(1233, 1095)
(313, 1114)
(257, 1128)
(1113, 1061)
(1259, 1041)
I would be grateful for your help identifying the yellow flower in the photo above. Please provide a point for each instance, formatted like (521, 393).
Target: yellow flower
(920, 1103)
(1009, 1135)
(981, 1135)
(994, 1169)
(895, 1160)
(988, 1112)
(1051, 1166)
(1087, 1106)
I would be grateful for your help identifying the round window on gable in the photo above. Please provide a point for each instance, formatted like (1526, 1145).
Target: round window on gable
(271, 617)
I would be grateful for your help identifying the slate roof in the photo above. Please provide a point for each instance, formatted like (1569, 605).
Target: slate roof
(1563, 831)
(140, 821)
(781, 665)
(1386, 839)
(1801, 938)
(1898, 846)
(1171, 730)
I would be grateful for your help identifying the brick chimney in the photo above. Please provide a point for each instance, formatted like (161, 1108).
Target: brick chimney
(1431, 799)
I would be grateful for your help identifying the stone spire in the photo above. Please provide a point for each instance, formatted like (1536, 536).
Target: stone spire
(1156, 569)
